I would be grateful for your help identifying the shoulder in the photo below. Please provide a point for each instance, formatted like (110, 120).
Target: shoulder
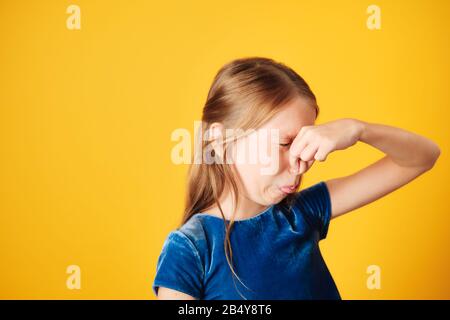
(198, 232)
(180, 264)
(186, 242)
(314, 204)
(314, 197)
(193, 233)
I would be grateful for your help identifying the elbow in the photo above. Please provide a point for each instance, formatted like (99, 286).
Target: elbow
(433, 156)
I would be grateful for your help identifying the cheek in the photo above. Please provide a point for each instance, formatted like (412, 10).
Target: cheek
(284, 159)
(250, 175)
(259, 188)
(251, 157)
(249, 171)
(279, 160)
(276, 156)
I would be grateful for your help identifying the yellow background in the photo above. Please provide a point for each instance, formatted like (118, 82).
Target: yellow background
(86, 117)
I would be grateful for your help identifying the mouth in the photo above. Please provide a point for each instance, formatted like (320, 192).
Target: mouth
(289, 189)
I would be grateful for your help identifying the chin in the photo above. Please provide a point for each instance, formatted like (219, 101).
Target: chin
(278, 198)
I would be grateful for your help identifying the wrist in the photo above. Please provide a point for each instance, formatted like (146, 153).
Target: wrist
(360, 128)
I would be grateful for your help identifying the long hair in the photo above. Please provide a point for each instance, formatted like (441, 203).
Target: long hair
(245, 93)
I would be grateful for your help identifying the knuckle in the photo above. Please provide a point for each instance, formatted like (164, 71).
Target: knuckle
(319, 157)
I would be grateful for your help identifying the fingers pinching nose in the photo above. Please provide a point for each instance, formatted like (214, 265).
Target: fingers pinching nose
(302, 168)
(299, 168)
(293, 170)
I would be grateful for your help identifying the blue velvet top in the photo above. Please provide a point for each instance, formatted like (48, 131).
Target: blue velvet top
(275, 254)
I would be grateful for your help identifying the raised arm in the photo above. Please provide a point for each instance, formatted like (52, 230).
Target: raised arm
(408, 155)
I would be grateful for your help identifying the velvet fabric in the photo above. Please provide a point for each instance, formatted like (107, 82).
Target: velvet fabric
(276, 254)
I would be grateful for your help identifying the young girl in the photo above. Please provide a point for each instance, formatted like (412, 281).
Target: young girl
(250, 235)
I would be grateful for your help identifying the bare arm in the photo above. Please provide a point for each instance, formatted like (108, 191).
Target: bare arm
(170, 294)
(408, 155)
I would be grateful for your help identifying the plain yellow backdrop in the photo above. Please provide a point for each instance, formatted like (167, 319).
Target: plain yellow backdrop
(86, 117)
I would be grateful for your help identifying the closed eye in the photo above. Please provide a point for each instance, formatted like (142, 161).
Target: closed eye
(285, 144)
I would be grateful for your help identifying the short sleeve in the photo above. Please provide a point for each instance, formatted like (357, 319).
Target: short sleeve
(315, 203)
(179, 266)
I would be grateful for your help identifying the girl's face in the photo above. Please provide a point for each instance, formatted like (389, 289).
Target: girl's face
(273, 153)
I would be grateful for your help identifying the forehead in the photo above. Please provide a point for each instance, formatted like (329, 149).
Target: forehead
(292, 117)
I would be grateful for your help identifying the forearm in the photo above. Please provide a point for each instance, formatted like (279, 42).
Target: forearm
(403, 147)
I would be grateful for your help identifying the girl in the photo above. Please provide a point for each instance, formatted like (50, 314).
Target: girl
(247, 234)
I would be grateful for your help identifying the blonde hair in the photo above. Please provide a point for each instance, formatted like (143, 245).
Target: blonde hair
(245, 93)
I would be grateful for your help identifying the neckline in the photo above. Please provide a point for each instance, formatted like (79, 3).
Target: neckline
(256, 216)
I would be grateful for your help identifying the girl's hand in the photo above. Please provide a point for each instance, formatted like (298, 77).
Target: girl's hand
(316, 142)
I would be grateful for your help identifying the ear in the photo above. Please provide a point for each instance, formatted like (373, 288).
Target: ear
(216, 135)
